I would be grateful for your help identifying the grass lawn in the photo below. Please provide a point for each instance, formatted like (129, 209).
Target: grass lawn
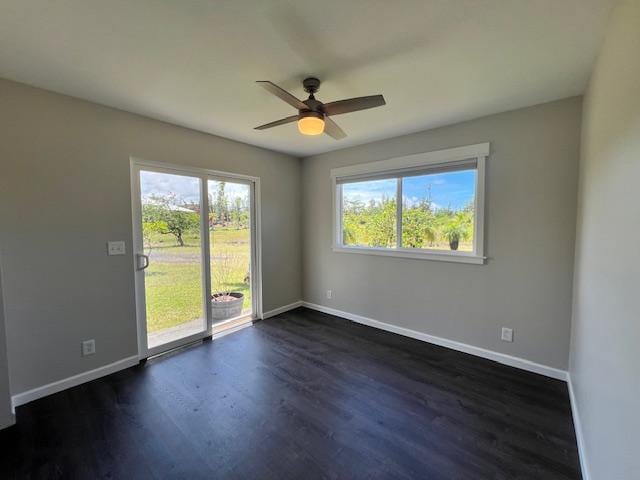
(173, 280)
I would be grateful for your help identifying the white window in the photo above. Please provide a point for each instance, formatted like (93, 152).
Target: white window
(428, 206)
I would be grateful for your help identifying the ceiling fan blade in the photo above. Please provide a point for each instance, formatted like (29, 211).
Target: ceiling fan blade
(353, 104)
(332, 129)
(282, 121)
(282, 94)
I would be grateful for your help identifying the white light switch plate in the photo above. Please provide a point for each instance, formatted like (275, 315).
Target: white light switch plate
(116, 248)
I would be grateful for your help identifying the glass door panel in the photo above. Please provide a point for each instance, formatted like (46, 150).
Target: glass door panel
(171, 209)
(230, 238)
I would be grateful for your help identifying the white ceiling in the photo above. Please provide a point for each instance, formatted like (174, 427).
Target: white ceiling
(194, 63)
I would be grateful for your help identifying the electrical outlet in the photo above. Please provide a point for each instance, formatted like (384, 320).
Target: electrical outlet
(116, 248)
(507, 334)
(88, 347)
(329, 294)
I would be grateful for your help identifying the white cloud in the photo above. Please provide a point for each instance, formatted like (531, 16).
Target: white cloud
(186, 189)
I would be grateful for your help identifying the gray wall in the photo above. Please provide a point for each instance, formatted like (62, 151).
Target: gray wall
(605, 351)
(6, 416)
(530, 225)
(65, 191)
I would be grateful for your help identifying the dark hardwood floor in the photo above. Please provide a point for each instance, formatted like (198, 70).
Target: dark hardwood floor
(301, 396)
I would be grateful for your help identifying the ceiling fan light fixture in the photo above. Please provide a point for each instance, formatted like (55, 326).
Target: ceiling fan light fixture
(311, 123)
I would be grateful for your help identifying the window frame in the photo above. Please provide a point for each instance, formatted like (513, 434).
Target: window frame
(428, 160)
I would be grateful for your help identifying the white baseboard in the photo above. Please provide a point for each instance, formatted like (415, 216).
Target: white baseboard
(58, 386)
(55, 387)
(582, 453)
(503, 358)
(279, 310)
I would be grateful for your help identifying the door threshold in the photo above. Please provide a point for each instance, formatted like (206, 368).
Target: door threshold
(219, 330)
(171, 351)
(233, 324)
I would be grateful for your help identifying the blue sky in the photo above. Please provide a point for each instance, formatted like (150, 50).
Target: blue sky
(451, 189)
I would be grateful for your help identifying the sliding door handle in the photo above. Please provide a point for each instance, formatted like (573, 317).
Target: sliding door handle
(143, 261)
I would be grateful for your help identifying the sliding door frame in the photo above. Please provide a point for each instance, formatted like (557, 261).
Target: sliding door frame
(204, 175)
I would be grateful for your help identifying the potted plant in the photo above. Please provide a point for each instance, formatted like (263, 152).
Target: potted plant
(225, 303)
(457, 229)
(453, 236)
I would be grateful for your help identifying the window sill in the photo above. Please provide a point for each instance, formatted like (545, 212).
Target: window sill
(444, 256)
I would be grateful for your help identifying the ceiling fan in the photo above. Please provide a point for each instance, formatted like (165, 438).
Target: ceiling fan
(313, 115)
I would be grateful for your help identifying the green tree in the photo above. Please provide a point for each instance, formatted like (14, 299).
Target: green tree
(382, 223)
(240, 213)
(149, 228)
(418, 226)
(373, 224)
(165, 216)
(423, 226)
(221, 205)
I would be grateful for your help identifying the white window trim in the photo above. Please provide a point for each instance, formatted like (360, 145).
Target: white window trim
(479, 152)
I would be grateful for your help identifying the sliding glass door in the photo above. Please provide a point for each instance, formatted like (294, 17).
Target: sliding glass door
(195, 254)
(230, 242)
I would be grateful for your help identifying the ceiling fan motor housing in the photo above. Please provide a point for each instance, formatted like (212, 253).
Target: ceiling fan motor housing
(313, 105)
(311, 85)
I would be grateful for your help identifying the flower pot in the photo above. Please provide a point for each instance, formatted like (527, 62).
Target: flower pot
(224, 306)
(453, 244)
